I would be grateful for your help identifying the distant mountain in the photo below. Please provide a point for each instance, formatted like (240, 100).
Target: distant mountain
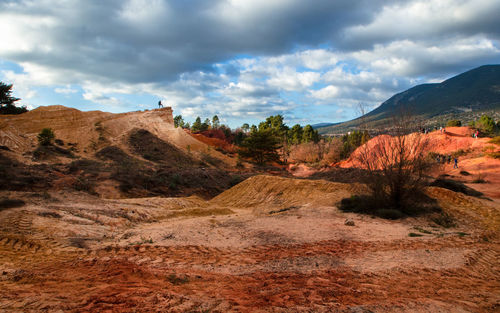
(473, 91)
(319, 125)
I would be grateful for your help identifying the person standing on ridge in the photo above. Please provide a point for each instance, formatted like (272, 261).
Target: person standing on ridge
(456, 163)
(160, 105)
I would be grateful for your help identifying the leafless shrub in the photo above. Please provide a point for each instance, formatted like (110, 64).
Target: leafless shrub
(325, 151)
(397, 165)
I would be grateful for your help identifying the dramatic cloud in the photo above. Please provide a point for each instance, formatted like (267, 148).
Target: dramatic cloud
(308, 60)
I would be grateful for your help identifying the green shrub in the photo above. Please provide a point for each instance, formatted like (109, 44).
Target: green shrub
(444, 219)
(46, 136)
(453, 123)
(495, 140)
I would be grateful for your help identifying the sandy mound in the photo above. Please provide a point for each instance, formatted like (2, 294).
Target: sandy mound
(278, 192)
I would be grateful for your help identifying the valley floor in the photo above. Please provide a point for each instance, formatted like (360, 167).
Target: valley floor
(268, 244)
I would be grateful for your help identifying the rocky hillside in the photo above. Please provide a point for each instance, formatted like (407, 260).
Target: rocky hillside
(110, 155)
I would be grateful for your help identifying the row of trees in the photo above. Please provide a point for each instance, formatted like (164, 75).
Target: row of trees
(198, 125)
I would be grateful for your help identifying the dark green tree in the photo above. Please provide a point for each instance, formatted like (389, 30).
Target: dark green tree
(7, 101)
(215, 122)
(454, 123)
(275, 123)
(353, 140)
(196, 125)
(295, 134)
(486, 125)
(205, 125)
(178, 121)
(261, 146)
(309, 134)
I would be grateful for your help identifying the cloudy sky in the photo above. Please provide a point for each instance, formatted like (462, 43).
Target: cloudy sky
(312, 61)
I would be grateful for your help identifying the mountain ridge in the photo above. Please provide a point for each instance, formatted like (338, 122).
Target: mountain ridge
(476, 90)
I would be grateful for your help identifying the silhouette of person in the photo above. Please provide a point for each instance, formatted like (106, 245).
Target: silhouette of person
(456, 163)
(160, 105)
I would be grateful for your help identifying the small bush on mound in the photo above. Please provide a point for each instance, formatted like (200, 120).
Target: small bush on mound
(455, 186)
(46, 136)
(11, 203)
(85, 184)
(443, 219)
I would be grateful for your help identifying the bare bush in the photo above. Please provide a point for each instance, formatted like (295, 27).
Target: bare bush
(397, 165)
(325, 152)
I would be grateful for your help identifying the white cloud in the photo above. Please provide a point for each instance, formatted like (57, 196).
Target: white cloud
(329, 92)
(66, 90)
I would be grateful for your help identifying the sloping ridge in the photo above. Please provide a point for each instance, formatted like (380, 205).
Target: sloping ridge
(85, 130)
(477, 90)
(278, 192)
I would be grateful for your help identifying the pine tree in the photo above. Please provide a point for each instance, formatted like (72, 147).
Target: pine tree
(7, 105)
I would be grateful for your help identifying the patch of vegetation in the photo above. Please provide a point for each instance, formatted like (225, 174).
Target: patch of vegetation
(494, 155)
(454, 123)
(459, 153)
(113, 153)
(85, 184)
(414, 235)
(49, 214)
(45, 152)
(464, 173)
(456, 186)
(495, 140)
(283, 210)
(46, 136)
(424, 231)
(78, 242)
(462, 234)
(176, 280)
(235, 180)
(367, 204)
(201, 212)
(207, 158)
(352, 141)
(21, 177)
(154, 149)
(444, 219)
(479, 180)
(86, 166)
(11, 203)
